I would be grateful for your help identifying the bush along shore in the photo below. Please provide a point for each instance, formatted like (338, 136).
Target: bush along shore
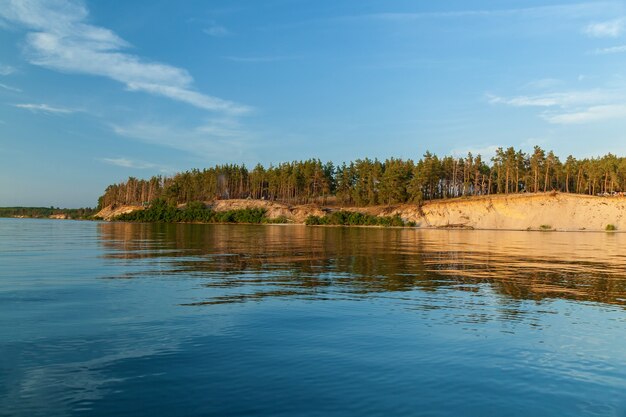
(353, 218)
(159, 211)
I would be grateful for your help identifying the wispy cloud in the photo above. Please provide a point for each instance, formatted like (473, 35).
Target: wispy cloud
(608, 29)
(219, 139)
(578, 10)
(560, 99)
(6, 69)
(134, 164)
(252, 59)
(9, 88)
(44, 108)
(217, 31)
(610, 50)
(591, 114)
(572, 107)
(128, 163)
(543, 83)
(61, 39)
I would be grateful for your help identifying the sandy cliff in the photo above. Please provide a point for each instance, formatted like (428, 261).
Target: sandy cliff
(522, 212)
(110, 212)
(511, 212)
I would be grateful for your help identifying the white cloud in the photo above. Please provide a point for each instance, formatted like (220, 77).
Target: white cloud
(216, 31)
(127, 163)
(9, 88)
(562, 99)
(590, 114)
(252, 59)
(44, 108)
(60, 39)
(219, 139)
(191, 97)
(6, 69)
(134, 164)
(610, 50)
(608, 29)
(573, 107)
(572, 11)
(543, 83)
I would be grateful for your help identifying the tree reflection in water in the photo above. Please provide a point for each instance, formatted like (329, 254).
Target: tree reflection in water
(242, 263)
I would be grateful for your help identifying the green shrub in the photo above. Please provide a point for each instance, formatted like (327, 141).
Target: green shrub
(610, 228)
(160, 211)
(316, 220)
(254, 215)
(545, 227)
(354, 218)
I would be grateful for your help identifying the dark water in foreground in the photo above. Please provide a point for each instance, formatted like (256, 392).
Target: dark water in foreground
(105, 319)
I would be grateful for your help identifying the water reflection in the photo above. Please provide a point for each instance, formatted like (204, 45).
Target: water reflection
(241, 263)
(404, 322)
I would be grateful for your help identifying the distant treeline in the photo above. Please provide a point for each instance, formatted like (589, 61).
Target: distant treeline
(370, 182)
(45, 212)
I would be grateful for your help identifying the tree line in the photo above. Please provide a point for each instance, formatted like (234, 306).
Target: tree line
(45, 212)
(367, 182)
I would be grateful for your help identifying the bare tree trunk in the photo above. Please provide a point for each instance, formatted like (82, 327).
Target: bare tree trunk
(506, 184)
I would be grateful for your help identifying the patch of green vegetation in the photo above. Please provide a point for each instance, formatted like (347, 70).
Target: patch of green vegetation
(160, 211)
(610, 228)
(353, 218)
(545, 227)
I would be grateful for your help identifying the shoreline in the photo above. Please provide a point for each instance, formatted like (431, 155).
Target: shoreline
(429, 228)
(541, 212)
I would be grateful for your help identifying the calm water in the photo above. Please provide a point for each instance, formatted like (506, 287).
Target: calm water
(105, 319)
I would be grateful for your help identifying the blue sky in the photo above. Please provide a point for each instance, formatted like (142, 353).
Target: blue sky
(94, 92)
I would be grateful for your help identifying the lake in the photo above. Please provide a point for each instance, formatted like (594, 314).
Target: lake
(117, 319)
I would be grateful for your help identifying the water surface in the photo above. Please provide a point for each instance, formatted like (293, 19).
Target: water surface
(115, 319)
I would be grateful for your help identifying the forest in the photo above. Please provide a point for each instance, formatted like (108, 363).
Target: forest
(367, 182)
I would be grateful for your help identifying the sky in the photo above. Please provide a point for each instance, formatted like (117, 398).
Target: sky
(94, 92)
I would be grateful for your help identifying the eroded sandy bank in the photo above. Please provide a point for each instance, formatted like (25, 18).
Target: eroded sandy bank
(569, 212)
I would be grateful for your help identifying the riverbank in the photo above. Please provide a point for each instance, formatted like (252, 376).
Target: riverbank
(47, 213)
(544, 211)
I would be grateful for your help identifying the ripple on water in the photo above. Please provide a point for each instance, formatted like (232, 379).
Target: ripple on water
(139, 319)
